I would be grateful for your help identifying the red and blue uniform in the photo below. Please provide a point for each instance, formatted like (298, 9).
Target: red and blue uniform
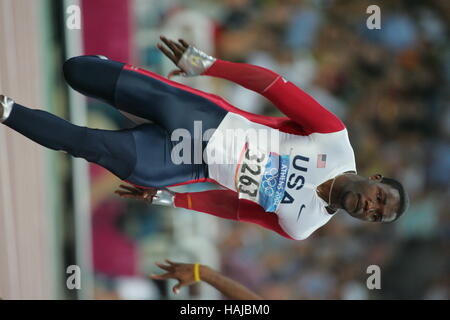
(142, 155)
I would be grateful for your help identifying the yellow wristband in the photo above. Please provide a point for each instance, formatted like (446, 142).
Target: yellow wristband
(197, 272)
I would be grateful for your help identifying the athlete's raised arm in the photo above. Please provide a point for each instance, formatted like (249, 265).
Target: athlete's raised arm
(291, 100)
(188, 274)
(220, 203)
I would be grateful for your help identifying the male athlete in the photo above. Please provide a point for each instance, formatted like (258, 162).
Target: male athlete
(292, 185)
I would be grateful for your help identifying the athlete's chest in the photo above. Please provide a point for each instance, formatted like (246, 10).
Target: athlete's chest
(286, 177)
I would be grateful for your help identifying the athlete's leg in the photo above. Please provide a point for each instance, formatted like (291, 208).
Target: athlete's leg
(168, 103)
(147, 95)
(113, 150)
(143, 93)
(141, 155)
(93, 76)
(154, 166)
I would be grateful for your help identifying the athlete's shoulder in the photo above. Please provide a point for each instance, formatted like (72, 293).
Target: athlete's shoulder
(337, 137)
(339, 147)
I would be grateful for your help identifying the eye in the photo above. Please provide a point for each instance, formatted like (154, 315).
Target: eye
(379, 196)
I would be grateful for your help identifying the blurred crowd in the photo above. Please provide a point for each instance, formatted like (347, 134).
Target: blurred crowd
(391, 88)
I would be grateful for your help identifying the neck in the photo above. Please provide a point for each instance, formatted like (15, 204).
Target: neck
(330, 190)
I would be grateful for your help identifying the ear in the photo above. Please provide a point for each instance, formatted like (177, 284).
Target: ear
(376, 176)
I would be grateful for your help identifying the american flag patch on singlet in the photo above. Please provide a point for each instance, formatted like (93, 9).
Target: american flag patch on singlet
(321, 160)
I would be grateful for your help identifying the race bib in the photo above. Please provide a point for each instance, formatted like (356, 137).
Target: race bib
(261, 177)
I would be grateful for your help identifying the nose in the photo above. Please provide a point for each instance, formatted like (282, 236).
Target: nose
(369, 207)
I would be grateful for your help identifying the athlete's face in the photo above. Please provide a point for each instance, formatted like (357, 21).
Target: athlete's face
(370, 200)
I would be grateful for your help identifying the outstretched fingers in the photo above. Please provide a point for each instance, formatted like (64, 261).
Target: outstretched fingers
(175, 47)
(164, 267)
(180, 48)
(167, 53)
(170, 262)
(164, 276)
(172, 273)
(177, 50)
(184, 43)
(172, 49)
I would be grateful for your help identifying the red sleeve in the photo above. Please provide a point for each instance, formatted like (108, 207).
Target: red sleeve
(226, 204)
(253, 213)
(220, 203)
(290, 99)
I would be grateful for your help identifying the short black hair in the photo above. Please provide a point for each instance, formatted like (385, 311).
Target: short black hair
(404, 198)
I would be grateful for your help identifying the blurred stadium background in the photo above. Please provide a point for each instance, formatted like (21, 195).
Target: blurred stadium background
(390, 86)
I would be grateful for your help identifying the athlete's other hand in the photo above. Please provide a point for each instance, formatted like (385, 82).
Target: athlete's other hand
(174, 51)
(130, 192)
(183, 272)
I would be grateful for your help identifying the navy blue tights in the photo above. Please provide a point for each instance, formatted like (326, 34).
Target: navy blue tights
(141, 155)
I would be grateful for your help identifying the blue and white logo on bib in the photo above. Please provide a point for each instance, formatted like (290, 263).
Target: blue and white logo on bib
(273, 182)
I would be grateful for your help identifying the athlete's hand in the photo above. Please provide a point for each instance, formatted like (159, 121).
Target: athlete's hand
(174, 51)
(130, 192)
(183, 272)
